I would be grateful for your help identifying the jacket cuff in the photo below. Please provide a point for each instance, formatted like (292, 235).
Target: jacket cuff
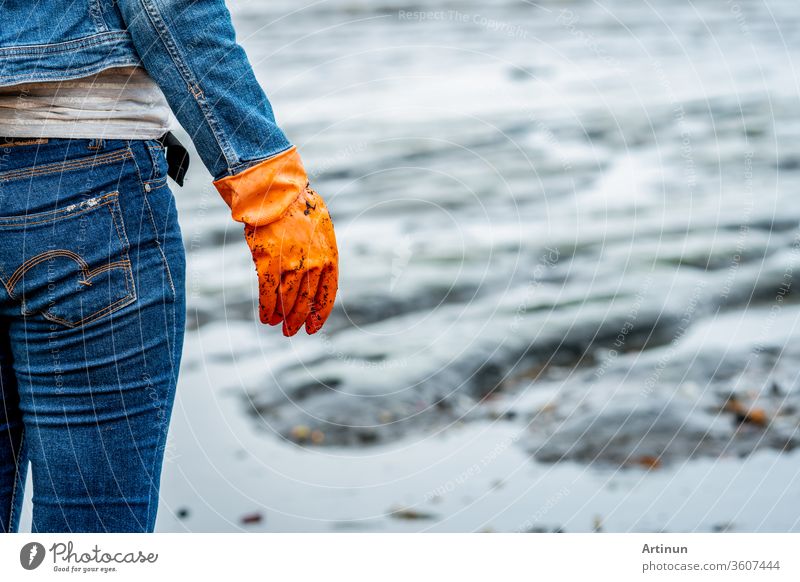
(262, 193)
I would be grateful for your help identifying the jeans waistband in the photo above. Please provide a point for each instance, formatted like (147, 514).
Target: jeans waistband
(176, 153)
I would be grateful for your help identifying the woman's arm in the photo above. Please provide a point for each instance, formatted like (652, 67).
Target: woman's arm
(189, 48)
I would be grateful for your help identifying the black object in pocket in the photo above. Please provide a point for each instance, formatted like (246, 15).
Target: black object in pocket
(69, 265)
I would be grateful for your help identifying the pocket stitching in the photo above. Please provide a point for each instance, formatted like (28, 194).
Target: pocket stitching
(116, 218)
(124, 264)
(89, 274)
(108, 310)
(41, 257)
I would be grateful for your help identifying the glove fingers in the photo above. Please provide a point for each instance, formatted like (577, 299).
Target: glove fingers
(268, 281)
(324, 299)
(305, 301)
(277, 315)
(268, 270)
(290, 287)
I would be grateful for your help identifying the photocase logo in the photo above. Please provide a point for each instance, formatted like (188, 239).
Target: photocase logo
(31, 555)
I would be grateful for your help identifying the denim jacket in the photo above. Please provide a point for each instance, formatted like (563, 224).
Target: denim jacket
(187, 46)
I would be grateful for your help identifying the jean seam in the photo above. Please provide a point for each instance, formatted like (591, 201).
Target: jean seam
(160, 247)
(119, 224)
(63, 47)
(155, 228)
(47, 169)
(96, 13)
(162, 444)
(15, 487)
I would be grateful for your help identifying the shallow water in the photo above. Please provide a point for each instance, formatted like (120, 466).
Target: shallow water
(569, 236)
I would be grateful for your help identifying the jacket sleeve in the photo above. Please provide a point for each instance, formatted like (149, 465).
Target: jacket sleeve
(189, 48)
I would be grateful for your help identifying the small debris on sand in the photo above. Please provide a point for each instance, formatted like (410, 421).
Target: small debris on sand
(745, 415)
(300, 433)
(647, 461)
(252, 518)
(409, 514)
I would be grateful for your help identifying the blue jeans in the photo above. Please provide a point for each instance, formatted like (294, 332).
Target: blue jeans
(92, 311)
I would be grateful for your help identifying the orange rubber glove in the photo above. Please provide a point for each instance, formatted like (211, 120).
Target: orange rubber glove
(290, 234)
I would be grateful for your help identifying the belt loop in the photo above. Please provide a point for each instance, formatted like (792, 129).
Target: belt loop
(96, 144)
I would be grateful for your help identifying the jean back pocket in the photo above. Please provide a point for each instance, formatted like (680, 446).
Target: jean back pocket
(69, 265)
